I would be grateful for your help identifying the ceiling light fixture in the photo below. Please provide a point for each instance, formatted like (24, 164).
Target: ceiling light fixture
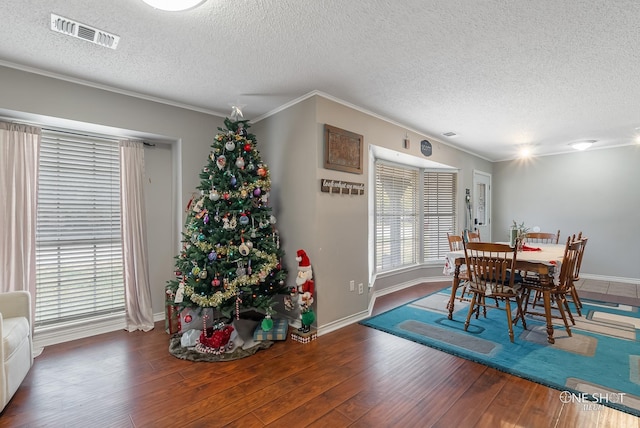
(173, 5)
(582, 145)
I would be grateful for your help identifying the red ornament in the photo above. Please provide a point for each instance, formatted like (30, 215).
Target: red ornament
(247, 147)
(188, 318)
(226, 196)
(262, 172)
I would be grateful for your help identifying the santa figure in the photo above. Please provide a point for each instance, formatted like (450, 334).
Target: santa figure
(305, 289)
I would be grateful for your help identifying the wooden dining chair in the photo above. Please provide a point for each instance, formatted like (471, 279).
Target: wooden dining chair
(576, 275)
(491, 268)
(474, 236)
(542, 237)
(559, 291)
(456, 243)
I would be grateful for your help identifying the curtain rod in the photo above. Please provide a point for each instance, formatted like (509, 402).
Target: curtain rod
(67, 131)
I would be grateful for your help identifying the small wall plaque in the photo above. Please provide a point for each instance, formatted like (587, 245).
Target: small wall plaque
(342, 150)
(342, 187)
(425, 147)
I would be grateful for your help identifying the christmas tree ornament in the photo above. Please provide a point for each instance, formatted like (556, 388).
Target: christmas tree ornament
(257, 191)
(233, 180)
(244, 220)
(236, 113)
(230, 146)
(212, 256)
(206, 219)
(244, 249)
(261, 172)
(214, 195)
(221, 162)
(247, 147)
(195, 271)
(203, 274)
(251, 167)
(240, 163)
(240, 271)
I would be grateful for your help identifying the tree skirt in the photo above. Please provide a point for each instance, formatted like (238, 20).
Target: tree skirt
(178, 351)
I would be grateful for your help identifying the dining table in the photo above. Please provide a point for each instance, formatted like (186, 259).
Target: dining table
(543, 260)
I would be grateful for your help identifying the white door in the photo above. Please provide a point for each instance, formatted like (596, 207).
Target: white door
(481, 204)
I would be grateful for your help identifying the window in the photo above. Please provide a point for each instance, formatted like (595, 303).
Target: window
(79, 269)
(396, 217)
(440, 212)
(414, 209)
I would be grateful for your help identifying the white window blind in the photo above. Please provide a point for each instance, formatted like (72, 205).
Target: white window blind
(79, 271)
(440, 212)
(396, 216)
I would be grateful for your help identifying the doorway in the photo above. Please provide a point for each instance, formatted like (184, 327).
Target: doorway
(481, 204)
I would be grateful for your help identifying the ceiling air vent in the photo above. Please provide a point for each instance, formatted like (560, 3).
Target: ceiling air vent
(449, 134)
(73, 28)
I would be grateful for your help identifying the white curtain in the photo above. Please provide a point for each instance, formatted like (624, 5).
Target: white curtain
(139, 311)
(19, 156)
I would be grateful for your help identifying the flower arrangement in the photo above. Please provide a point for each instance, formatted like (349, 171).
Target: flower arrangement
(521, 230)
(518, 233)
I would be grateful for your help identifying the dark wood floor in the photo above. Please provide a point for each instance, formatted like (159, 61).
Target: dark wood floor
(355, 377)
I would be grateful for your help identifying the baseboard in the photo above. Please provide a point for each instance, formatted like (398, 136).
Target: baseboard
(338, 324)
(351, 319)
(402, 286)
(67, 332)
(610, 278)
(49, 336)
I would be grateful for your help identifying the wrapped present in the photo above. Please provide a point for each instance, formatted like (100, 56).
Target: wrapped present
(172, 319)
(278, 332)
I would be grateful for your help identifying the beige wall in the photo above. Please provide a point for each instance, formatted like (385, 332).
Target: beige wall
(594, 191)
(333, 228)
(172, 167)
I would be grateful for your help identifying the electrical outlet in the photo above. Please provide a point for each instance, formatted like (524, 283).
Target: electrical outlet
(352, 285)
(360, 288)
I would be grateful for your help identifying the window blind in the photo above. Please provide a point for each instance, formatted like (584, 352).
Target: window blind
(396, 213)
(440, 212)
(79, 269)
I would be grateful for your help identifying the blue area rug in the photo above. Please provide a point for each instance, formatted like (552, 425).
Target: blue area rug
(599, 364)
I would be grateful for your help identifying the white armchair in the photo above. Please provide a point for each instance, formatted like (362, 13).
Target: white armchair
(16, 356)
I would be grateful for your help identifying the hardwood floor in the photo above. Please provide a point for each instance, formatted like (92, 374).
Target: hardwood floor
(353, 377)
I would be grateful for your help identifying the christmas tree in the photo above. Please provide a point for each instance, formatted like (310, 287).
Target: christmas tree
(231, 259)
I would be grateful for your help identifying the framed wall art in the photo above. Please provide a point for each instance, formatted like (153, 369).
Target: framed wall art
(342, 150)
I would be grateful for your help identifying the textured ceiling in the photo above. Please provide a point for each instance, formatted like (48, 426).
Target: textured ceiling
(499, 73)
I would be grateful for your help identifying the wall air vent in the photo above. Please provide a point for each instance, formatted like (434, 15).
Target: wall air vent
(73, 28)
